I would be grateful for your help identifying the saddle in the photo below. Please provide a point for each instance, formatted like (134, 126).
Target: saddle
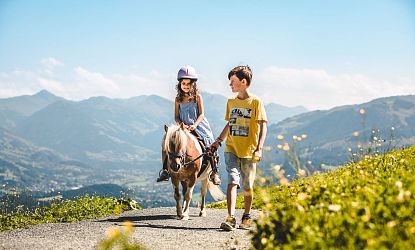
(214, 159)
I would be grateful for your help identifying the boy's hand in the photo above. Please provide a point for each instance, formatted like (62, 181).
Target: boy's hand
(258, 154)
(214, 146)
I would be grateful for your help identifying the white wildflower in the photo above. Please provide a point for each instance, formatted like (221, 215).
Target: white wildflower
(334, 207)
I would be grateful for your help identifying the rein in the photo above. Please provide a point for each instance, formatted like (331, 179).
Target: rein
(192, 161)
(183, 156)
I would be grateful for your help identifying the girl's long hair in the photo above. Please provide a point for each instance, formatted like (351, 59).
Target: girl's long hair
(192, 93)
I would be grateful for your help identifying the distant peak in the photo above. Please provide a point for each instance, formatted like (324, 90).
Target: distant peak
(46, 95)
(44, 92)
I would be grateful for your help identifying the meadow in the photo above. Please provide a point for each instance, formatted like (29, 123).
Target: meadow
(82, 208)
(367, 204)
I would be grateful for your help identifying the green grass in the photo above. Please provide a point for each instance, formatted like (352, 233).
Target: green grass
(365, 205)
(85, 207)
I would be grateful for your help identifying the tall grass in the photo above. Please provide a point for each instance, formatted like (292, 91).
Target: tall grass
(368, 204)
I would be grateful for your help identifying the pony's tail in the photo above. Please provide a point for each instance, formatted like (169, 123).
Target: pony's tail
(216, 192)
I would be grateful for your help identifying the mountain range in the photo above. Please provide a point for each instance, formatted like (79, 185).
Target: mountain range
(333, 137)
(23, 164)
(48, 142)
(62, 140)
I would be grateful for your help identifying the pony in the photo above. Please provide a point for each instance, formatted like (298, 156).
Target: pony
(183, 155)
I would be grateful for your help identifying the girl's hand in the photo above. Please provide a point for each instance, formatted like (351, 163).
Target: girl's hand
(192, 127)
(184, 126)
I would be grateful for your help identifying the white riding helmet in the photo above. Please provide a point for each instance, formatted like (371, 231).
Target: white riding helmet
(187, 72)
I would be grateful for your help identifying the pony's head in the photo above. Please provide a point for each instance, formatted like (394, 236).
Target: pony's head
(175, 146)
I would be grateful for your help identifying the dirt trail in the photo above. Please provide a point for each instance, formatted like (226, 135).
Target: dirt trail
(156, 228)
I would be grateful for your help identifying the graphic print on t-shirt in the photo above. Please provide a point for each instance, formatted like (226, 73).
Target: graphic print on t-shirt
(239, 121)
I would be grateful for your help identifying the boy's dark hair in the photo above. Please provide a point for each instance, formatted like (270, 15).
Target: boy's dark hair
(242, 72)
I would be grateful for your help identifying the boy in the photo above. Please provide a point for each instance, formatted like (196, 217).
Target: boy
(245, 134)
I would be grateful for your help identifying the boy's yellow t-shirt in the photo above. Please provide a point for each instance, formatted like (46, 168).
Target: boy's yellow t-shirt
(243, 117)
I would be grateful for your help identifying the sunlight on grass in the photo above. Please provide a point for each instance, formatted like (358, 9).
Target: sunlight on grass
(85, 207)
(368, 204)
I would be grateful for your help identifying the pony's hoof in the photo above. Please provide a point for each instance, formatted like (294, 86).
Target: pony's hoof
(202, 214)
(185, 218)
(180, 217)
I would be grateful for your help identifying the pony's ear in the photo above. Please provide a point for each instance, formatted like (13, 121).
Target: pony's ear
(165, 127)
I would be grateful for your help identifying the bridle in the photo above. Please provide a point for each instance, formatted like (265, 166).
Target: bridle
(182, 155)
(172, 156)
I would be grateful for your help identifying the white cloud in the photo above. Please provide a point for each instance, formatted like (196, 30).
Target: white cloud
(17, 82)
(51, 62)
(312, 88)
(10, 92)
(318, 89)
(87, 84)
(217, 86)
(153, 83)
(52, 85)
(81, 83)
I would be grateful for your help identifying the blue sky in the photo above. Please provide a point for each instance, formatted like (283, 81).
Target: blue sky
(318, 54)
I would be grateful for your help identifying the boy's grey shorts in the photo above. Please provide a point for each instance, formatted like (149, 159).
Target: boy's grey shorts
(240, 168)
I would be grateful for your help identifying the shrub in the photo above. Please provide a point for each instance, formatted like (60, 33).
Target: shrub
(85, 207)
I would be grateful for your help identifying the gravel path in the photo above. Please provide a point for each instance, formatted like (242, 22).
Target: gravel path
(156, 228)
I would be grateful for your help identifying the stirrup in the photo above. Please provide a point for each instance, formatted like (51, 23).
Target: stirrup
(214, 180)
(163, 175)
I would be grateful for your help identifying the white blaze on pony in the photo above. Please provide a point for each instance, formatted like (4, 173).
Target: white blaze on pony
(184, 161)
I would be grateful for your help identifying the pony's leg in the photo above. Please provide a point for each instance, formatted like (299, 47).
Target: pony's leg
(184, 189)
(187, 199)
(203, 204)
(177, 198)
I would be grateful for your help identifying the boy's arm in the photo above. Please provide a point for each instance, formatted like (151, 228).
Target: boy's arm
(218, 142)
(261, 138)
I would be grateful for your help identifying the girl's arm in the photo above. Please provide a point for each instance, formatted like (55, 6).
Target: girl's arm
(201, 110)
(176, 112)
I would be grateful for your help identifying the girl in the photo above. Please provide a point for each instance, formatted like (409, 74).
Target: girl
(189, 110)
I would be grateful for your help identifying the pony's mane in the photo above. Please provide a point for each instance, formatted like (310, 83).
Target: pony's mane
(177, 136)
